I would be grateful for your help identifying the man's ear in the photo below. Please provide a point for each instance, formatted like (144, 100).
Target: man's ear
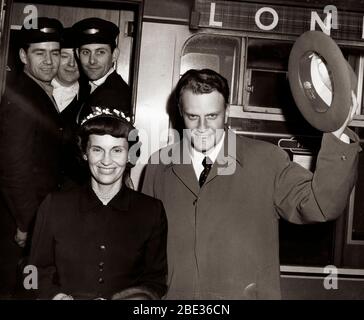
(227, 113)
(23, 56)
(115, 55)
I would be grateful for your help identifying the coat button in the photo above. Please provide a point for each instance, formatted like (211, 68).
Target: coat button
(101, 266)
(102, 247)
(343, 157)
(101, 280)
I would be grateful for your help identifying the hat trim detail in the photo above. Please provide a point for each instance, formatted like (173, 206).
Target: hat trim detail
(99, 111)
(48, 30)
(91, 31)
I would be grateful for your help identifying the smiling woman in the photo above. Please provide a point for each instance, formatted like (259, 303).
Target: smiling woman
(102, 240)
(107, 158)
(104, 144)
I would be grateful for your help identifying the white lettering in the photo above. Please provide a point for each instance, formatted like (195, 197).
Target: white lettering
(333, 10)
(330, 281)
(266, 27)
(212, 21)
(31, 21)
(324, 25)
(161, 311)
(31, 280)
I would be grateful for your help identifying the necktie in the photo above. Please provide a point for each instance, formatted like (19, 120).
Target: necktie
(207, 164)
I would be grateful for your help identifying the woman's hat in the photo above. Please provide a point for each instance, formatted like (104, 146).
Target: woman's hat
(321, 80)
(104, 112)
(99, 117)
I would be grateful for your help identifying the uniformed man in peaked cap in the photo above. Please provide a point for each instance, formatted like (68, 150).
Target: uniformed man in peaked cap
(97, 51)
(69, 92)
(30, 140)
(65, 83)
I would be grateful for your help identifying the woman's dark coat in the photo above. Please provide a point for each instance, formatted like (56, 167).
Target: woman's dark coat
(88, 250)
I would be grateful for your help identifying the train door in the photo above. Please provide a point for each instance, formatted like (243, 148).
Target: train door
(125, 14)
(4, 34)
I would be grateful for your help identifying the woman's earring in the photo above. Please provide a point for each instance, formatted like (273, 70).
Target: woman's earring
(85, 157)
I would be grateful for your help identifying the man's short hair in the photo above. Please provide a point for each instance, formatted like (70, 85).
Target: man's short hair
(202, 81)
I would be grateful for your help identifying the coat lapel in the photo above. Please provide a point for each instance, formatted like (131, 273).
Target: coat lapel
(183, 168)
(186, 174)
(227, 159)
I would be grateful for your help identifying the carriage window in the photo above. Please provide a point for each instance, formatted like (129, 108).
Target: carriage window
(266, 72)
(218, 53)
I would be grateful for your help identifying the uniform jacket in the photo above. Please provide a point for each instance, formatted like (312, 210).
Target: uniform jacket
(223, 238)
(114, 93)
(72, 167)
(30, 140)
(89, 250)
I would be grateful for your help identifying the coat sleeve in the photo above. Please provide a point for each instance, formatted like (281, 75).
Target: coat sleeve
(17, 129)
(154, 276)
(304, 197)
(148, 180)
(151, 185)
(42, 251)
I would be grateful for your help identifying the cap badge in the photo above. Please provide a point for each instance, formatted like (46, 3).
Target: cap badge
(48, 30)
(91, 31)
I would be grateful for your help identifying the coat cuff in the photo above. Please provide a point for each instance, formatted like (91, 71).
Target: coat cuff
(332, 145)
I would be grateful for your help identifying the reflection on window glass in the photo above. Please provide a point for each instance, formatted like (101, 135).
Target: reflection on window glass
(275, 87)
(268, 54)
(267, 82)
(218, 53)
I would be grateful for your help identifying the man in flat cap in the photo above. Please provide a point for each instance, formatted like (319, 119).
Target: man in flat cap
(30, 140)
(97, 51)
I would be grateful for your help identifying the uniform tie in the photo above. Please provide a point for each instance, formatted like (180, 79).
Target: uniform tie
(207, 164)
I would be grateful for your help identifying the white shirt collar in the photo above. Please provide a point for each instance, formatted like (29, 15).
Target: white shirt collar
(94, 84)
(64, 95)
(56, 84)
(197, 156)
